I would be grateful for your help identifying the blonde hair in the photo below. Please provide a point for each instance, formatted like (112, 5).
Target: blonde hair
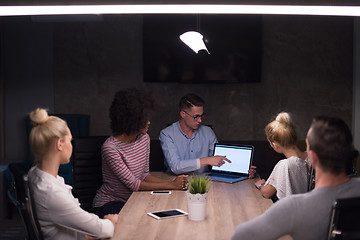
(282, 130)
(45, 129)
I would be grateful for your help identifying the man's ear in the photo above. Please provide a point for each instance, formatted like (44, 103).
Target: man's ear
(314, 160)
(182, 113)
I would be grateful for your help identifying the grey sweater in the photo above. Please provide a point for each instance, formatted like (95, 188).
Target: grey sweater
(303, 216)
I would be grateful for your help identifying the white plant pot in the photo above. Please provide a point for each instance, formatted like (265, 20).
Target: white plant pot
(196, 206)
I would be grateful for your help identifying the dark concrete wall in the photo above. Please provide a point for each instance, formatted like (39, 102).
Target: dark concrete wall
(76, 66)
(27, 71)
(307, 70)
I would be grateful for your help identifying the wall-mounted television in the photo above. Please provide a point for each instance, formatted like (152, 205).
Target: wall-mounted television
(234, 43)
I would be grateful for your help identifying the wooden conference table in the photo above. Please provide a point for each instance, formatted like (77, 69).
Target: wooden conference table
(227, 206)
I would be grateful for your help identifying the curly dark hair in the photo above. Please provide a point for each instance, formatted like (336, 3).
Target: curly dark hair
(130, 111)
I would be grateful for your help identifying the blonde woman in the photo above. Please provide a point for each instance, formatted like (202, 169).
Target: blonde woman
(290, 175)
(59, 213)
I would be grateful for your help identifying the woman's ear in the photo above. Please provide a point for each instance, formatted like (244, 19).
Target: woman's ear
(275, 145)
(59, 144)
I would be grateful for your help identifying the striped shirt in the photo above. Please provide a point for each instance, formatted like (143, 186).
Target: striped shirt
(124, 166)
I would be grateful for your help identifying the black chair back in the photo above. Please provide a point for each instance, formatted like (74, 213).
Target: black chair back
(351, 163)
(345, 219)
(87, 169)
(157, 158)
(20, 196)
(311, 179)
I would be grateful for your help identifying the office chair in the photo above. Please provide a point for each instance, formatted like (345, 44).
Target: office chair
(311, 179)
(157, 158)
(345, 219)
(351, 170)
(87, 168)
(20, 196)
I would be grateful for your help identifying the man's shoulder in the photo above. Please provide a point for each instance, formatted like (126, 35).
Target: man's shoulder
(205, 129)
(356, 182)
(170, 129)
(348, 189)
(355, 179)
(296, 201)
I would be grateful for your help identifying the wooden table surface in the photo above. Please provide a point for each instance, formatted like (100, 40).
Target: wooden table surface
(227, 206)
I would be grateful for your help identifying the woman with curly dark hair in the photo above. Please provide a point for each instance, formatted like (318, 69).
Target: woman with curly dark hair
(125, 155)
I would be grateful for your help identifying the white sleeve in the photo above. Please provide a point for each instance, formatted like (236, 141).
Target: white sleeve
(279, 179)
(66, 212)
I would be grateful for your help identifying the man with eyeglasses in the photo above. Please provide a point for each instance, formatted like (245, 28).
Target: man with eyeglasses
(188, 145)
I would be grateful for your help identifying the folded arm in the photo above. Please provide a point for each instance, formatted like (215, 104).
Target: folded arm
(155, 183)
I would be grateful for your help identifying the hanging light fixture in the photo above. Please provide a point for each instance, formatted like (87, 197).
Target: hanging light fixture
(194, 40)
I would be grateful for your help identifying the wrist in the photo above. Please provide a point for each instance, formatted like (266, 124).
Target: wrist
(203, 161)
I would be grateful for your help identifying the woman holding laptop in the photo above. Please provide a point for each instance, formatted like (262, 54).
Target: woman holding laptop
(290, 175)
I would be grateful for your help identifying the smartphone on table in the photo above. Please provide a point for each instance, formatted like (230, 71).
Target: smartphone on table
(167, 213)
(161, 193)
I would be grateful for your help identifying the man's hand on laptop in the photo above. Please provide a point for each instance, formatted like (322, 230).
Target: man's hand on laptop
(214, 161)
(252, 171)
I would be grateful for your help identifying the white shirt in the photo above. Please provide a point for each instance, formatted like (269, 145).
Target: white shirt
(59, 213)
(289, 176)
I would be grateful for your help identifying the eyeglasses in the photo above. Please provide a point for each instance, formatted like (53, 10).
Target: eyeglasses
(196, 116)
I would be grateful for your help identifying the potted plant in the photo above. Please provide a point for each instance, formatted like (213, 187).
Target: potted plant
(196, 196)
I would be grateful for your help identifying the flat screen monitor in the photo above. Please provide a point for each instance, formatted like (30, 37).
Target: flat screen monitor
(234, 43)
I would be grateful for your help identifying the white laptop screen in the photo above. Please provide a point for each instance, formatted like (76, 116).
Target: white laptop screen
(240, 157)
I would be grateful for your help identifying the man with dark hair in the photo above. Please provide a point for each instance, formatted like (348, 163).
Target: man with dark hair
(188, 145)
(307, 216)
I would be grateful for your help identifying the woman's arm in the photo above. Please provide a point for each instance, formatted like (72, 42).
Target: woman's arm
(267, 191)
(65, 211)
(156, 183)
(115, 162)
(152, 178)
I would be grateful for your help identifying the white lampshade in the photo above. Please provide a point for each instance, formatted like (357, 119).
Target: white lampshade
(194, 40)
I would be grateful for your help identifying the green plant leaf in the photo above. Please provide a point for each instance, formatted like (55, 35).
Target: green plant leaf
(198, 184)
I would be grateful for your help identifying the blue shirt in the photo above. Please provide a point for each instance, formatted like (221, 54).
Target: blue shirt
(181, 152)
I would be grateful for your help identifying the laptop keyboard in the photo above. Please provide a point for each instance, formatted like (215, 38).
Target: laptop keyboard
(224, 175)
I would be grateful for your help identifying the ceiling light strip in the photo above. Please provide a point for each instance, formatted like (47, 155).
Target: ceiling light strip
(180, 9)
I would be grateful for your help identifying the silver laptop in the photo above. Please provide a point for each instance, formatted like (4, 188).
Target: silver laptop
(240, 157)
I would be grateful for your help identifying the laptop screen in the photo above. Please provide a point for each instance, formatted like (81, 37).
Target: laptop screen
(239, 155)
